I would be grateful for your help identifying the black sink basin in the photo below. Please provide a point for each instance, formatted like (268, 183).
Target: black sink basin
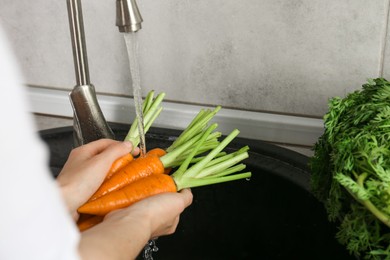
(271, 216)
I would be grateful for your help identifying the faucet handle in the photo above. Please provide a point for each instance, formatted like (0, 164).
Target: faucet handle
(128, 17)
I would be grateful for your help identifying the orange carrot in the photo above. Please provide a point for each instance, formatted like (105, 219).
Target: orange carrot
(138, 168)
(160, 152)
(85, 220)
(119, 164)
(142, 167)
(157, 151)
(89, 222)
(134, 192)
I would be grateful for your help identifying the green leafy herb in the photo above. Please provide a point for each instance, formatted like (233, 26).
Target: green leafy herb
(351, 169)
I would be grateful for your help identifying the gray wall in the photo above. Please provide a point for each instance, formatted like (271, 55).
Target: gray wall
(283, 56)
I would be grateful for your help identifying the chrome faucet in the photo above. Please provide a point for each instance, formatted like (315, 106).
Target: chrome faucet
(128, 17)
(89, 123)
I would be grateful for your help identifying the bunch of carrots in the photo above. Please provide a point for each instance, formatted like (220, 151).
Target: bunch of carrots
(196, 156)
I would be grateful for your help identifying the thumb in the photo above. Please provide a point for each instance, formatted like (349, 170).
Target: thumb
(113, 152)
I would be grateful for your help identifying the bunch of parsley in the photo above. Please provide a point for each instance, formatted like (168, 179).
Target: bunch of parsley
(351, 169)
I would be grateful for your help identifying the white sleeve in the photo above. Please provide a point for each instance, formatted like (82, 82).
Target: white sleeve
(34, 222)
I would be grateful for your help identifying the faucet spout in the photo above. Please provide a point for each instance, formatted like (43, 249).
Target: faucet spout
(89, 122)
(128, 17)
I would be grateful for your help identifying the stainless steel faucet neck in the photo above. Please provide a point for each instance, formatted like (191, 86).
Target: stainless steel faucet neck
(76, 25)
(89, 123)
(128, 17)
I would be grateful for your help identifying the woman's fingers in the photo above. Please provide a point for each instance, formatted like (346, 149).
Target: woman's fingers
(113, 152)
(187, 197)
(93, 148)
(86, 168)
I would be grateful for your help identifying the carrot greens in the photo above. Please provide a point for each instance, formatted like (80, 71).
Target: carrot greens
(197, 155)
(187, 141)
(151, 110)
(212, 168)
(351, 169)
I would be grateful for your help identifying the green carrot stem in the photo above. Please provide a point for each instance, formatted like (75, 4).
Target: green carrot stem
(152, 119)
(195, 127)
(151, 111)
(154, 106)
(205, 147)
(199, 124)
(228, 171)
(181, 158)
(209, 144)
(145, 107)
(183, 167)
(135, 138)
(216, 166)
(222, 165)
(220, 157)
(170, 158)
(382, 216)
(196, 168)
(132, 131)
(188, 182)
(227, 156)
(197, 159)
(196, 119)
(148, 101)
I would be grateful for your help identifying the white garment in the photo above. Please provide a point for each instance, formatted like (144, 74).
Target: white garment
(34, 222)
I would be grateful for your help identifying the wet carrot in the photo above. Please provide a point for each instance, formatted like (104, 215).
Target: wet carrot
(157, 151)
(130, 194)
(89, 222)
(138, 168)
(160, 152)
(119, 164)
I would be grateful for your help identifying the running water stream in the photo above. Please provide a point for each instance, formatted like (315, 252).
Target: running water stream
(131, 40)
(132, 51)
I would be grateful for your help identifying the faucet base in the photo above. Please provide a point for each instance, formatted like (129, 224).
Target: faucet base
(89, 122)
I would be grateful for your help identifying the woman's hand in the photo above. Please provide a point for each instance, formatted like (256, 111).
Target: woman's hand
(159, 214)
(124, 232)
(86, 168)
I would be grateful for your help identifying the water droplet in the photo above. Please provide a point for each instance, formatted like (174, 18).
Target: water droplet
(149, 249)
